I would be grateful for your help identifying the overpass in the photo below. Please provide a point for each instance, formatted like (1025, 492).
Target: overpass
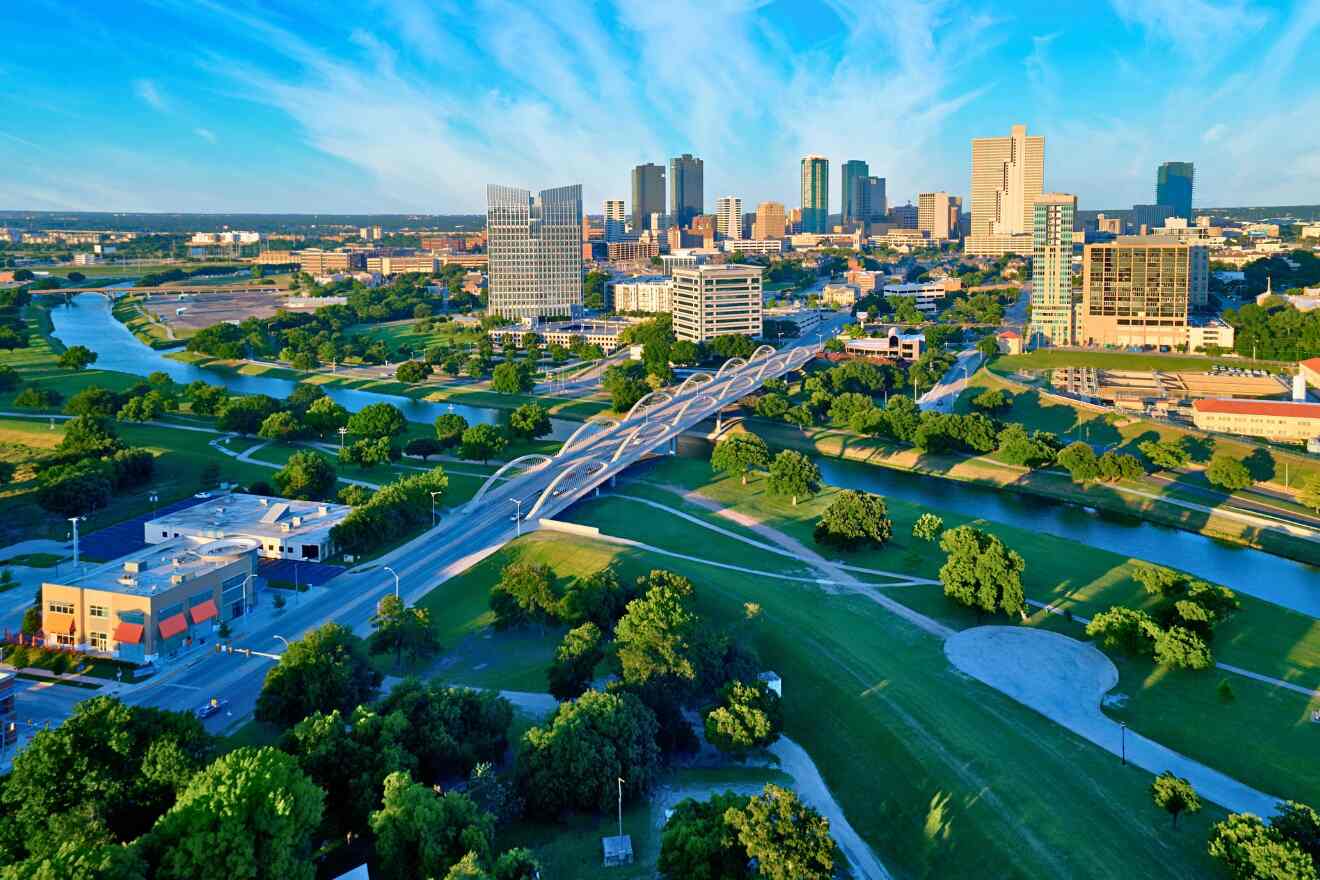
(115, 292)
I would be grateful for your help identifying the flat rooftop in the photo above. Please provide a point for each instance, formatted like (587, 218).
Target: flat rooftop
(1289, 409)
(255, 515)
(159, 567)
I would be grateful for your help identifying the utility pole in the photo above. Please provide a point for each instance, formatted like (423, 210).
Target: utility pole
(342, 432)
(74, 520)
(620, 806)
(433, 494)
(396, 580)
(517, 520)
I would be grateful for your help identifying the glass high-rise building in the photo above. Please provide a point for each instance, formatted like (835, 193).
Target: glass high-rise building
(815, 194)
(870, 202)
(686, 189)
(1008, 173)
(1173, 187)
(534, 246)
(1053, 311)
(648, 194)
(854, 171)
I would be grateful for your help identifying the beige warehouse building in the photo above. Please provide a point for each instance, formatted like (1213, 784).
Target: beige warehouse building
(1285, 420)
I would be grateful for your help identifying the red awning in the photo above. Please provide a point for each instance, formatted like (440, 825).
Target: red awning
(129, 633)
(204, 612)
(172, 626)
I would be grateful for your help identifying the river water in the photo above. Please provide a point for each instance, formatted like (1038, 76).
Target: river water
(1252, 572)
(88, 321)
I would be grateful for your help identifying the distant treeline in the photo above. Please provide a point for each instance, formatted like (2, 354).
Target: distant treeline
(291, 223)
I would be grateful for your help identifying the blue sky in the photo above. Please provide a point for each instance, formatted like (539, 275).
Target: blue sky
(415, 105)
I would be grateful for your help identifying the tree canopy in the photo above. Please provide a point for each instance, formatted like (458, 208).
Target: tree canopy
(853, 520)
(981, 573)
(327, 669)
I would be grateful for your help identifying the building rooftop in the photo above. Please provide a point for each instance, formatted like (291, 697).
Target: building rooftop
(158, 567)
(1310, 363)
(1292, 409)
(251, 515)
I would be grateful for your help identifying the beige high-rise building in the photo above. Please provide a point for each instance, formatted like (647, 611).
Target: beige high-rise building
(1053, 305)
(1135, 291)
(728, 217)
(1008, 173)
(712, 301)
(937, 215)
(769, 221)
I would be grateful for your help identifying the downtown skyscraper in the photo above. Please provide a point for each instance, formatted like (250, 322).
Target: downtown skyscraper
(1173, 187)
(648, 194)
(686, 189)
(1008, 173)
(534, 245)
(815, 194)
(854, 172)
(1053, 310)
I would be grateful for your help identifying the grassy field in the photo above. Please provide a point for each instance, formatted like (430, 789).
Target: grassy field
(130, 312)
(1048, 359)
(397, 333)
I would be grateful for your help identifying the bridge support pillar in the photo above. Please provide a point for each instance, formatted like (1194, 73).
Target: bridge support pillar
(596, 492)
(719, 422)
(673, 445)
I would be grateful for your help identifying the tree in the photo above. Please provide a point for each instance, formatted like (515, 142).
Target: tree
(697, 844)
(423, 447)
(511, 378)
(517, 864)
(206, 400)
(93, 401)
(1167, 454)
(528, 421)
(412, 372)
(1080, 461)
(481, 441)
(1228, 473)
(981, 573)
(853, 520)
(450, 730)
(77, 357)
(1174, 795)
(1181, 648)
(325, 417)
(251, 813)
(1016, 446)
(245, 415)
(1125, 629)
(281, 426)
(747, 717)
(987, 346)
(992, 400)
(575, 661)
(87, 436)
(574, 759)
(927, 527)
(737, 454)
(449, 429)
(659, 636)
(624, 384)
(793, 474)
(1251, 850)
(421, 833)
(76, 489)
(327, 669)
(402, 630)
(525, 593)
(367, 453)
(306, 475)
(788, 839)
(377, 420)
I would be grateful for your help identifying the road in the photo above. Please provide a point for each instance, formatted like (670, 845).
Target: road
(945, 394)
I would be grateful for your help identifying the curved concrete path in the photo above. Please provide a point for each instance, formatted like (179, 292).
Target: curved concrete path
(1065, 680)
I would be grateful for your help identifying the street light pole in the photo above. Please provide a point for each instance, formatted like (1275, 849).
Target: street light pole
(342, 432)
(396, 580)
(74, 520)
(433, 494)
(1122, 726)
(517, 520)
(284, 640)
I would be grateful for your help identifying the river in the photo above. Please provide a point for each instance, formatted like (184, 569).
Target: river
(88, 321)
(1251, 572)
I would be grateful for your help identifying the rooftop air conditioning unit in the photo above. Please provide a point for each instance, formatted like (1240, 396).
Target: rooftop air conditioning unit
(178, 579)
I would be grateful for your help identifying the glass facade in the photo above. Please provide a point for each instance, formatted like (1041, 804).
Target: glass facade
(1173, 187)
(815, 194)
(535, 251)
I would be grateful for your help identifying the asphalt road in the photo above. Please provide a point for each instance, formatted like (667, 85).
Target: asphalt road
(945, 394)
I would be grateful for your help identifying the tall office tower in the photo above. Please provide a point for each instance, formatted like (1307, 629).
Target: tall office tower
(1053, 316)
(534, 247)
(1173, 187)
(711, 301)
(933, 212)
(616, 220)
(648, 194)
(854, 171)
(869, 199)
(815, 194)
(905, 216)
(728, 217)
(770, 222)
(1150, 216)
(1135, 291)
(686, 188)
(1007, 175)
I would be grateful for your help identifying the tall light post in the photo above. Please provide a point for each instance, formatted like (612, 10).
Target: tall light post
(1122, 726)
(396, 580)
(342, 432)
(517, 519)
(74, 520)
(284, 640)
(433, 494)
(248, 606)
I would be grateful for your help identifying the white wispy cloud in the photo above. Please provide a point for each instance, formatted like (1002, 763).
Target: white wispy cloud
(148, 92)
(1201, 31)
(205, 134)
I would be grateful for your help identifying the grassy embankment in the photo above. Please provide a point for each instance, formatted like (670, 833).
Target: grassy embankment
(133, 313)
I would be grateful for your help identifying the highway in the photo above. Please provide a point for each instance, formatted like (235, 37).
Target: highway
(535, 486)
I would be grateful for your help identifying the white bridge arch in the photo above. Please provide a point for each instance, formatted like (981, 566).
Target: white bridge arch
(649, 401)
(580, 469)
(595, 425)
(525, 463)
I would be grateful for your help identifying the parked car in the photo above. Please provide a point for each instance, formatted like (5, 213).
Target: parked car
(212, 707)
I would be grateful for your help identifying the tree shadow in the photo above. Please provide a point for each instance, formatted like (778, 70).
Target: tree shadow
(1200, 449)
(1261, 465)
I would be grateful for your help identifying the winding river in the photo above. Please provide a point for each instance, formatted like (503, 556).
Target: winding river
(1252, 572)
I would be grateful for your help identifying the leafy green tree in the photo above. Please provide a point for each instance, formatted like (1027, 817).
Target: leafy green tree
(1251, 850)
(1167, 454)
(1016, 446)
(854, 519)
(251, 813)
(575, 661)
(377, 420)
(450, 730)
(987, 346)
(367, 453)
(525, 594)
(528, 421)
(738, 454)
(697, 844)
(93, 401)
(423, 447)
(324, 417)
(788, 839)
(517, 864)
(244, 415)
(306, 475)
(87, 436)
(572, 762)
(927, 527)
(747, 717)
(480, 442)
(449, 429)
(82, 853)
(77, 357)
(1080, 461)
(772, 406)
(981, 573)
(1174, 795)
(282, 426)
(327, 669)
(511, 378)
(1228, 473)
(412, 372)
(420, 833)
(599, 597)
(793, 474)
(992, 400)
(624, 384)
(403, 631)
(903, 417)
(1299, 824)
(1181, 648)
(1125, 629)
(660, 636)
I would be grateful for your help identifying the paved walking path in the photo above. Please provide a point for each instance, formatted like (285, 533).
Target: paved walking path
(1065, 680)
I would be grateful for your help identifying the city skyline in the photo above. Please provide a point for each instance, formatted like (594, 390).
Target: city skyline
(396, 115)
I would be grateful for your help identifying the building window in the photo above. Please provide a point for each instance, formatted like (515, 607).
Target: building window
(99, 641)
(63, 640)
(98, 611)
(55, 607)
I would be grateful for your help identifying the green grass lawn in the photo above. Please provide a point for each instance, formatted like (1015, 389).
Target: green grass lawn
(1048, 359)
(397, 333)
(131, 312)
(34, 560)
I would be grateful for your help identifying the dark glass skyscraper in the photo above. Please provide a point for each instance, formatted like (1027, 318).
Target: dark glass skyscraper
(854, 170)
(648, 194)
(1173, 187)
(686, 188)
(815, 194)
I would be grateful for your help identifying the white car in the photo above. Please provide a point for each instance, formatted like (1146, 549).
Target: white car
(202, 495)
